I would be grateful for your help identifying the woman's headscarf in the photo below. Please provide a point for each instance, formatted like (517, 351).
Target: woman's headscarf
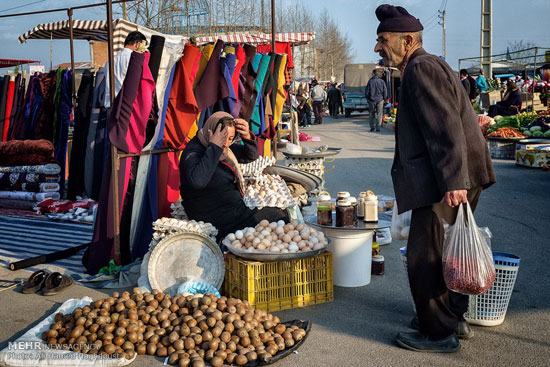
(228, 157)
(510, 87)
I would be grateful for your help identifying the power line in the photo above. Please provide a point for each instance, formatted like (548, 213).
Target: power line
(22, 6)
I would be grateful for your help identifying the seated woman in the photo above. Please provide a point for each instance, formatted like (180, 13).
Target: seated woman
(212, 184)
(510, 104)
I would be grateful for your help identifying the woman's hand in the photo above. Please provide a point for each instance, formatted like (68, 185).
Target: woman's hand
(242, 128)
(219, 136)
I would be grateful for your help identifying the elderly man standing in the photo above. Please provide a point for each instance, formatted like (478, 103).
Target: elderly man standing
(441, 160)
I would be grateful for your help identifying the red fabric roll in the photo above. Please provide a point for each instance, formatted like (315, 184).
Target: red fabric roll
(9, 106)
(182, 109)
(241, 59)
(280, 48)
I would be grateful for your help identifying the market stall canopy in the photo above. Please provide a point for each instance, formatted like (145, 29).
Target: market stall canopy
(96, 30)
(7, 63)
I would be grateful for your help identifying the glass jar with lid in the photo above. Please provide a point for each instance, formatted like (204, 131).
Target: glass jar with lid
(342, 195)
(371, 208)
(324, 209)
(353, 202)
(344, 213)
(361, 205)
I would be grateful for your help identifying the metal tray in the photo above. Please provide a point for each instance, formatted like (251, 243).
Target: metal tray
(534, 141)
(327, 153)
(185, 256)
(308, 180)
(504, 139)
(306, 325)
(259, 256)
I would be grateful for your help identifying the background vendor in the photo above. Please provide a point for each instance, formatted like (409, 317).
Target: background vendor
(212, 184)
(510, 104)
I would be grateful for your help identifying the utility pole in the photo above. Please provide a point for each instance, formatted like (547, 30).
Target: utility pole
(124, 11)
(443, 24)
(486, 37)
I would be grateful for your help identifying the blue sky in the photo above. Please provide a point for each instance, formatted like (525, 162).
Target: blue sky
(525, 20)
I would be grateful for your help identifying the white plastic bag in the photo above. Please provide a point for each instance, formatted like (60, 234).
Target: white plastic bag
(400, 224)
(468, 265)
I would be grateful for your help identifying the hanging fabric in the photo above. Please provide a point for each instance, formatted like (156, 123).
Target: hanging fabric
(198, 70)
(9, 106)
(81, 125)
(4, 86)
(247, 78)
(124, 126)
(281, 48)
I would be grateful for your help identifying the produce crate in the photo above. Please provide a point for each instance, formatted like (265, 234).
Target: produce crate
(533, 158)
(280, 285)
(502, 149)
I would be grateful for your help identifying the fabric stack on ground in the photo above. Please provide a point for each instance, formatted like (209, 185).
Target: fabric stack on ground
(28, 174)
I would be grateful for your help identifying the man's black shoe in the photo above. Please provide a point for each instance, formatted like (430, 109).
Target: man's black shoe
(377, 130)
(371, 129)
(422, 343)
(463, 331)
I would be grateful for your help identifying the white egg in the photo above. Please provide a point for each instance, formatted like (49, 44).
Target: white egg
(261, 246)
(293, 247)
(273, 225)
(251, 249)
(256, 241)
(235, 243)
(301, 244)
(266, 232)
(284, 251)
(239, 234)
(314, 240)
(318, 246)
(281, 223)
(279, 230)
(274, 249)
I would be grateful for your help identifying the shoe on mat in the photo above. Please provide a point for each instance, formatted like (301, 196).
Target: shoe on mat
(419, 342)
(463, 331)
(371, 129)
(56, 283)
(377, 130)
(36, 282)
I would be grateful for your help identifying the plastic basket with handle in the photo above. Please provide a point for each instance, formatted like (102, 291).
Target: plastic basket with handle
(489, 309)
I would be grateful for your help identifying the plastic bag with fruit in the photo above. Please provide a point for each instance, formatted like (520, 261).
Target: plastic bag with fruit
(468, 266)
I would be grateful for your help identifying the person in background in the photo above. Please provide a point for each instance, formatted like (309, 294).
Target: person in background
(510, 104)
(473, 87)
(464, 80)
(376, 93)
(481, 82)
(135, 41)
(318, 96)
(441, 160)
(334, 97)
(341, 102)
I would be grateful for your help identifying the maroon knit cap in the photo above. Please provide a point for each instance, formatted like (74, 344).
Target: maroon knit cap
(396, 19)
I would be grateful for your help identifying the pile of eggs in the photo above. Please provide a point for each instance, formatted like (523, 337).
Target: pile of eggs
(276, 237)
(268, 190)
(164, 227)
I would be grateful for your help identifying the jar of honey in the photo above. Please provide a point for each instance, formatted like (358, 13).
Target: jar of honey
(353, 202)
(324, 209)
(378, 265)
(344, 213)
(375, 249)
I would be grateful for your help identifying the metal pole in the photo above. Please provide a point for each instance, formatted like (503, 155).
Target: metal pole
(444, 36)
(534, 81)
(273, 34)
(71, 38)
(114, 151)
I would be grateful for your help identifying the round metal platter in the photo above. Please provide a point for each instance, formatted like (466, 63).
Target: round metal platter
(185, 256)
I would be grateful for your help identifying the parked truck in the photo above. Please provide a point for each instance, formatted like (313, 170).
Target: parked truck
(356, 77)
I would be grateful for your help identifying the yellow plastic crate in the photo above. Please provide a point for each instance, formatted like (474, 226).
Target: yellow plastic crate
(280, 285)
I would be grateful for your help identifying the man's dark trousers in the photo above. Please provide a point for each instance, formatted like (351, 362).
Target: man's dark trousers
(438, 309)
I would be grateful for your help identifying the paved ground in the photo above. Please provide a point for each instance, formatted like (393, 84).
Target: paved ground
(359, 327)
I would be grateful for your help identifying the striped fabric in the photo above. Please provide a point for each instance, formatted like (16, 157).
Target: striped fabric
(22, 238)
(82, 29)
(96, 30)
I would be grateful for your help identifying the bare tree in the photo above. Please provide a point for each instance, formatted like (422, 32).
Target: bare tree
(521, 52)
